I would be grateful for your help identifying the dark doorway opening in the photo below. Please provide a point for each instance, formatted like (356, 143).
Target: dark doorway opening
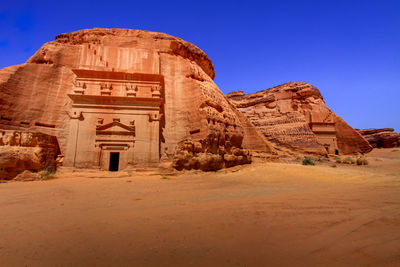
(114, 161)
(379, 144)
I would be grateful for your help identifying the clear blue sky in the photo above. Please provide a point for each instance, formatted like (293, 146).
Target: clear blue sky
(349, 49)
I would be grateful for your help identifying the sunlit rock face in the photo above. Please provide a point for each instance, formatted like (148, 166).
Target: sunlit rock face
(381, 138)
(32, 151)
(116, 98)
(295, 119)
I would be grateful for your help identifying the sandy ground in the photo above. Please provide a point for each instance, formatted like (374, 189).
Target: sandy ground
(269, 214)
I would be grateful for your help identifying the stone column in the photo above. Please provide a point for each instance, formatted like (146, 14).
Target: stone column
(154, 146)
(70, 155)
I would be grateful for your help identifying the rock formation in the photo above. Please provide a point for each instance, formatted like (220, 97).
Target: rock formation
(294, 118)
(116, 98)
(20, 151)
(381, 138)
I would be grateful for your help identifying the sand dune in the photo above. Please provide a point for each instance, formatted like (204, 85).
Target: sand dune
(264, 214)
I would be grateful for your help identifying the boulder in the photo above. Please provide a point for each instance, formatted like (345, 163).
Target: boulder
(217, 151)
(26, 151)
(27, 176)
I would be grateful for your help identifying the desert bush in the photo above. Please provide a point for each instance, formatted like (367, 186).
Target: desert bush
(308, 161)
(334, 166)
(362, 161)
(349, 160)
(338, 159)
(321, 158)
(47, 173)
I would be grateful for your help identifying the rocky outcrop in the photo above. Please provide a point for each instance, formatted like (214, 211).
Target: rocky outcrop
(119, 98)
(381, 138)
(20, 151)
(64, 88)
(295, 119)
(213, 153)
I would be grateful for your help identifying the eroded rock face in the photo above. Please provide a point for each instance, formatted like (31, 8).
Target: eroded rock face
(20, 151)
(138, 94)
(294, 118)
(118, 98)
(213, 153)
(381, 138)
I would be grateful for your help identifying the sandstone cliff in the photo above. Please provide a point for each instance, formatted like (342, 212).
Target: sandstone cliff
(295, 119)
(381, 138)
(135, 98)
(44, 94)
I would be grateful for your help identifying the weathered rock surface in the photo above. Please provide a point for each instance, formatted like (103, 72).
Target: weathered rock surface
(117, 98)
(215, 152)
(381, 138)
(27, 176)
(20, 151)
(137, 93)
(295, 119)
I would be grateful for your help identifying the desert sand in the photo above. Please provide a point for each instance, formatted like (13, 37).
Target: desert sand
(263, 214)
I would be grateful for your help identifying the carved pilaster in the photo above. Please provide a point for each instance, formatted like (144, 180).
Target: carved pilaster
(154, 117)
(105, 89)
(79, 88)
(131, 90)
(155, 91)
(75, 115)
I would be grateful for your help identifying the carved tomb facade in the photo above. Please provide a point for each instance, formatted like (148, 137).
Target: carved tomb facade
(115, 119)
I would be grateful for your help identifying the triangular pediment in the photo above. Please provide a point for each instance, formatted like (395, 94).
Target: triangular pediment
(115, 128)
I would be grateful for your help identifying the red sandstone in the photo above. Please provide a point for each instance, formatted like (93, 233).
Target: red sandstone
(142, 98)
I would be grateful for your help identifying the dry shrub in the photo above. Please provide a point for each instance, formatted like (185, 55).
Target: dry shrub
(349, 160)
(308, 161)
(362, 161)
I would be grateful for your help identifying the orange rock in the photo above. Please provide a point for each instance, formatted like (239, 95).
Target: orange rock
(117, 98)
(21, 151)
(381, 138)
(295, 119)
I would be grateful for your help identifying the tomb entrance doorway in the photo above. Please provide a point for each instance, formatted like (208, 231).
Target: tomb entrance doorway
(114, 161)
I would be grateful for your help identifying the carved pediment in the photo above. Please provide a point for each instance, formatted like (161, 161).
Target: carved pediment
(115, 128)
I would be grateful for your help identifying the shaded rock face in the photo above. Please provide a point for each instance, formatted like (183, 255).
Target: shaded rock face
(294, 118)
(20, 151)
(140, 95)
(381, 138)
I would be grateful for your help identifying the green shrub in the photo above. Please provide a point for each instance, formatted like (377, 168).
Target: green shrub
(326, 159)
(362, 161)
(333, 166)
(338, 159)
(308, 161)
(47, 173)
(349, 160)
